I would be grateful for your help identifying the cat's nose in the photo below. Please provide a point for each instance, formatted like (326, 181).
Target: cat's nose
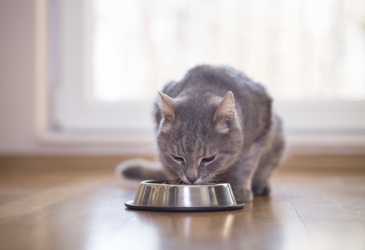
(192, 179)
(191, 175)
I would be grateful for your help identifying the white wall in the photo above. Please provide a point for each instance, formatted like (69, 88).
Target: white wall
(17, 75)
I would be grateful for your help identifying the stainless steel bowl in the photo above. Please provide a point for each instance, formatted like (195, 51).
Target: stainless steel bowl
(156, 195)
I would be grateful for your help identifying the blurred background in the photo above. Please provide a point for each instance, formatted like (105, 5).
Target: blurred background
(79, 77)
(77, 83)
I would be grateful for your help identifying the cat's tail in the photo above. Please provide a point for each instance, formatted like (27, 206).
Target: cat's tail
(131, 172)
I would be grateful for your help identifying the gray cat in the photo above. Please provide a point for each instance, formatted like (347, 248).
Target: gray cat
(216, 125)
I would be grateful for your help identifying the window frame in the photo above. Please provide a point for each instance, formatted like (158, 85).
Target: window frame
(76, 114)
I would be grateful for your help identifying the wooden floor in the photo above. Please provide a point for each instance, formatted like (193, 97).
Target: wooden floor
(307, 210)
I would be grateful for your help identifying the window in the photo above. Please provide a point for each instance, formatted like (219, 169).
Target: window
(286, 45)
(110, 57)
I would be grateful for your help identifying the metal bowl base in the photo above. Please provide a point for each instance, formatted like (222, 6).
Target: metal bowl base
(131, 205)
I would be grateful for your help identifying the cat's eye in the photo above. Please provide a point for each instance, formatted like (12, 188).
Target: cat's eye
(208, 159)
(178, 159)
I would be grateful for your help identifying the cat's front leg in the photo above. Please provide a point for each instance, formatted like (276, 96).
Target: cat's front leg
(239, 184)
(242, 194)
(240, 181)
(240, 178)
(241, 173)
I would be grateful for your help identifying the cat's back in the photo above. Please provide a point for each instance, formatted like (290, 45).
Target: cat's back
(202, 83)
(218, 80)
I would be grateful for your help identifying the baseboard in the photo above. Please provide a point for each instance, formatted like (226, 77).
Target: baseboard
(322, 162)
(62, 163)
(37, 163)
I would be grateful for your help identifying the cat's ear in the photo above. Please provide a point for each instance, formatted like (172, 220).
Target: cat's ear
(167, 106)
(225, 113)
(226, 108)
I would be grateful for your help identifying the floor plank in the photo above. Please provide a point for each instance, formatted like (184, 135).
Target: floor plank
(306, 210)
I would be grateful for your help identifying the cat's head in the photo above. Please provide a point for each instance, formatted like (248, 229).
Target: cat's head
(199, 137)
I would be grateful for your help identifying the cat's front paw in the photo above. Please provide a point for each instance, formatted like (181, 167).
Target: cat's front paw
(243, 195)
(261, 188)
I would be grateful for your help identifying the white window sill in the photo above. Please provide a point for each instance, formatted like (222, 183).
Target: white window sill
(100, 143)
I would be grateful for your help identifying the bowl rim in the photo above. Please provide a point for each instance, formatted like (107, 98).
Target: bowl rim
(159, 183)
